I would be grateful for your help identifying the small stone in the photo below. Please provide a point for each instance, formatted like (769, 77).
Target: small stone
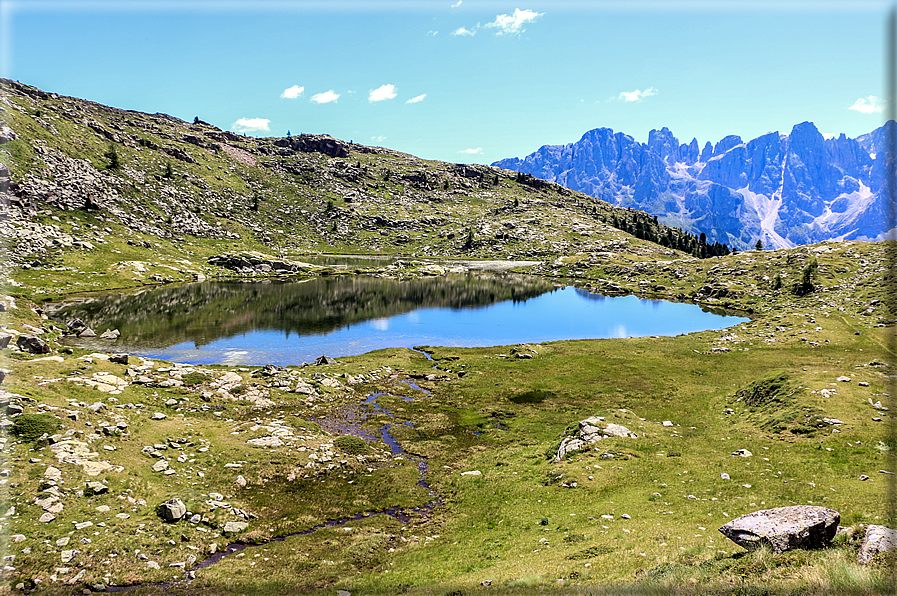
(863, 477)
(241, 482)
(152, 565)
(83, 525)
(843, 379)
(158, 416)
(472, 473)
(67, 555)
(742, 453)
(724, 476)
(667, 423)
(160, 466)
(46, 518)
(863, 384)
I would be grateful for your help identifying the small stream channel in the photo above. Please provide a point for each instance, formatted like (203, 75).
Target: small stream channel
(349, 425)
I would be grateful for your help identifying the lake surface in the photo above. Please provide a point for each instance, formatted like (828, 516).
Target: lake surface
(287, 323)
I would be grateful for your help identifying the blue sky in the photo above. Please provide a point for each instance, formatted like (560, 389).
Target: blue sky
(462, 81)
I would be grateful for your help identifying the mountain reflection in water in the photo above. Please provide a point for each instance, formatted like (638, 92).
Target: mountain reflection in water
(288, 322)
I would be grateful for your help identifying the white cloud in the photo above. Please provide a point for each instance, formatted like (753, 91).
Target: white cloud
(465, 32)
(378, 139)
(433, 33)
(382, 92)
(417, 99)
(637, 95)
(457, 4)
(250, 124)
(293, 92)
(326, 97)
(513, 24)
(867, 105)
(476, 151)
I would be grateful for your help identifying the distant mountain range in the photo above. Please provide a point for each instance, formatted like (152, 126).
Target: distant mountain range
(785, 190)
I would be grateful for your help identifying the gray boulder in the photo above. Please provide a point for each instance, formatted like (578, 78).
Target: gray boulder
(5, 339)
(232, 527)
(119, 358)
(172, 510)
(32, 344)
(878, 539)
(95, 488)
(784, 528)
(591, 430)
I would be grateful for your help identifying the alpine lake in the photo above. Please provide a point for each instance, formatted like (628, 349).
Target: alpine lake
(290, 322)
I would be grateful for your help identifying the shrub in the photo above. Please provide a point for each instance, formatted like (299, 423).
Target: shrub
(112, 155)
(351, 444)
(195, 378)
(30, 427)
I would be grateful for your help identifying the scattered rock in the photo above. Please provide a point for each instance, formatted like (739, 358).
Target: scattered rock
(843, 379)
(119, 358)
(321, 360)
(158, 416)
(266, 442)
(472, 473)
(878, 539)
(784, 528)
(112, 334)
(667, 423)
(742, 453)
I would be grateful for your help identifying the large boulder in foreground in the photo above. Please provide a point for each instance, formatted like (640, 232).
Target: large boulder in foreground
(784, 528)
(878, 539)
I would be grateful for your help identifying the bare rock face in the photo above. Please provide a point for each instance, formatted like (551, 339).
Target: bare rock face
(878, 539)
(784, 528)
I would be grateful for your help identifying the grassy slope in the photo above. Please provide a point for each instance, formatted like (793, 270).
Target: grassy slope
(515, 525)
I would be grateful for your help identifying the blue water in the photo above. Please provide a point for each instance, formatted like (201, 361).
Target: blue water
(562, 314)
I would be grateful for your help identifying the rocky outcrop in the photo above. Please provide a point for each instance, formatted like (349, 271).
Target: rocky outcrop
(591, 430)
(784, 528)
(259, 263)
